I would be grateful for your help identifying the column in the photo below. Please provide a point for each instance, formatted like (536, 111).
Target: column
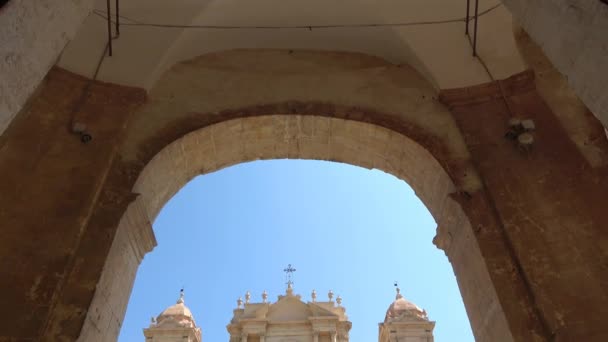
(315, 336)
(244, 337)
(334, 336)
(262, 338)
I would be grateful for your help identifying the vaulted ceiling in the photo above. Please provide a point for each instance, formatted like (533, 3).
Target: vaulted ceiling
(427, 34)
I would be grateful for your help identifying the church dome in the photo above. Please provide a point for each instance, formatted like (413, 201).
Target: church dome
(176, 315)
(401, 308)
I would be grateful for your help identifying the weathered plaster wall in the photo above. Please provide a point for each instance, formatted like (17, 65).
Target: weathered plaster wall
(582, 126)
(51, 182)
(573, 36)
(32, 36)
(549, 200)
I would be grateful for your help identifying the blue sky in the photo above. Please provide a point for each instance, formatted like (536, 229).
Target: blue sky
(352, 230)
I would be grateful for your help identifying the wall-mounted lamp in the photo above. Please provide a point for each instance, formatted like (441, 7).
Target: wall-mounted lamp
(521, 131)
(81, 129)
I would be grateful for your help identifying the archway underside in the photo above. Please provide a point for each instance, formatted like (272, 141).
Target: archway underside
(295, 137)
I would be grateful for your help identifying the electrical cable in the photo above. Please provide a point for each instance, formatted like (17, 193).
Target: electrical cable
(481, 61)
(467, 19)
(86, 90)
(492, 78)
(541, 317)
(104, 14)
(134, 22)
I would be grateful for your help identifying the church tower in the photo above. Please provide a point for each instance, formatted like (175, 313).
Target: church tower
(289, 319)
(405, 322)
(175, 324)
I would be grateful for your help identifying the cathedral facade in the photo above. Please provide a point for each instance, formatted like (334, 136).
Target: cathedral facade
(290, 319)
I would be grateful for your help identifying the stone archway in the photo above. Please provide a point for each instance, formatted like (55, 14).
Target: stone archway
(295, 137)
(537, 217)
(389, 111)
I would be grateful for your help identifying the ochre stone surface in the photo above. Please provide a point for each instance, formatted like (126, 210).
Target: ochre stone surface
(580, 124)
(515, 298)
(50, 184)
(550, 202)
(133, 239)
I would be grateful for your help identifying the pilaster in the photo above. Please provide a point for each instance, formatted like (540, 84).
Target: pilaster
(542, 208)
(134, 238)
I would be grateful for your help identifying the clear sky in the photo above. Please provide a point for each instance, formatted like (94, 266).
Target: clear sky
(352, 230)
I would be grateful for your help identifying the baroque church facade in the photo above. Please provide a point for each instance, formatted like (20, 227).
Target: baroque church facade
(290, 319)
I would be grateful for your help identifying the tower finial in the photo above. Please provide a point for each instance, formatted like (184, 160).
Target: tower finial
(398, 290)
(247, 297)
(181, 296)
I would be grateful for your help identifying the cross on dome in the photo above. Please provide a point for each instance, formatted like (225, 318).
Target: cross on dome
(289, 271)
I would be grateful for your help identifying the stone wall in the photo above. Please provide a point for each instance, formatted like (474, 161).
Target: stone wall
(51, 183)
(134, 238)
(573, 36)
(33, 35)
(580, 124)
(549, 201)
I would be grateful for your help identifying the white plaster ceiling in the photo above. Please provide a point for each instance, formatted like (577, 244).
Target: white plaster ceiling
(427, 39)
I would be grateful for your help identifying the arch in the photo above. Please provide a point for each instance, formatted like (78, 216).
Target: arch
(236, 83)
(293, 136)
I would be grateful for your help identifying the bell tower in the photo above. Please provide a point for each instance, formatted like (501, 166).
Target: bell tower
(405, 322)
(175, 324)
